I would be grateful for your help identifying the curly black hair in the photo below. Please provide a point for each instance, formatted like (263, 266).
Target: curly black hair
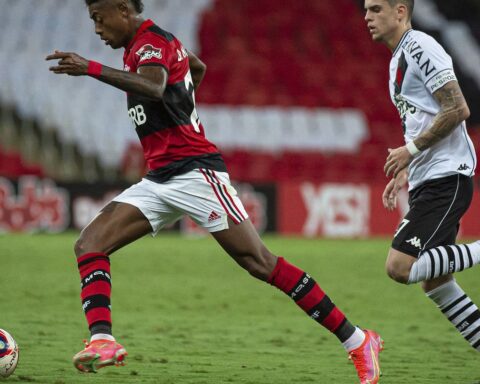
(138, 4)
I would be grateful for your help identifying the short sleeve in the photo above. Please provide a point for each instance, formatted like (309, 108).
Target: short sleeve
(153, 50)
(434, 65)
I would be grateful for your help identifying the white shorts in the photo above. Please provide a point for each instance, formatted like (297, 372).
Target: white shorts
(204, 195)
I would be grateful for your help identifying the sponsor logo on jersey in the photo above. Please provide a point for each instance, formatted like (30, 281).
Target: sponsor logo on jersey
(403, 107)
(148, 52)
(415, 241)
(416, 51)
(441, 79)
(463, 167)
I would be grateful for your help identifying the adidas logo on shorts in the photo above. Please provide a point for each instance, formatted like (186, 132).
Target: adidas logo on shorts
(213, 216)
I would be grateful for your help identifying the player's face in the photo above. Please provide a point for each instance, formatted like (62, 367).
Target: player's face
(382, 19)
(111, 22)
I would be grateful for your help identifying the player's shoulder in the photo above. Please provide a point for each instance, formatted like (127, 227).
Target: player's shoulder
(154, 42)
(417, 41)
(154, 36)
(425, 38)
(154, 31)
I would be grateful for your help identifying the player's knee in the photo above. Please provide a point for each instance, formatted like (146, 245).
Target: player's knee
(80, 247)
(85, 245)
(397, 272)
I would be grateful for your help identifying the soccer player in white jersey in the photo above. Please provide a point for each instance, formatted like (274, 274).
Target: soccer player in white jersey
(438, 161)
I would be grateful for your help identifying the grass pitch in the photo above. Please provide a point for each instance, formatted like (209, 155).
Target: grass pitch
(188, 315)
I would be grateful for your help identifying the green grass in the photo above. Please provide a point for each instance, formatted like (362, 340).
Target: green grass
(188, 314)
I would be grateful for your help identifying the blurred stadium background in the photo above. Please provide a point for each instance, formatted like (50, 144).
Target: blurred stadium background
(295, 97)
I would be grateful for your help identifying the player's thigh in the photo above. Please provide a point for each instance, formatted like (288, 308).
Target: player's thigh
(209, 199)
(435, 212)
(240, 240)
(115, 226)
(152, 199)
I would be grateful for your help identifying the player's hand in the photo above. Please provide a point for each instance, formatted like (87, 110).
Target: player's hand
(389, 197)
(69, 63)
(397, 159)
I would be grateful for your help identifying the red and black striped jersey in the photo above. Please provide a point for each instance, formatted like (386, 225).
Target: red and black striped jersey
(172, 136)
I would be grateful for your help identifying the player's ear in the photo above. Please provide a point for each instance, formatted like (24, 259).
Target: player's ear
(124, 7)
(402, 12)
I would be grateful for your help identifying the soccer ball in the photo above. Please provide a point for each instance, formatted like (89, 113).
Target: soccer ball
(8, 354)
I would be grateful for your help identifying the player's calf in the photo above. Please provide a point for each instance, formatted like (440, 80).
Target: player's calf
(459, 309)
(259, 264)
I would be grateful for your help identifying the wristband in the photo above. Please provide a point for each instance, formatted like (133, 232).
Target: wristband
(412, 149)
(94, 69)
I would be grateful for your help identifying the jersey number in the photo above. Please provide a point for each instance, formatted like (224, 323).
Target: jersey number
(401, 226)
(191, 90)
(137, 114)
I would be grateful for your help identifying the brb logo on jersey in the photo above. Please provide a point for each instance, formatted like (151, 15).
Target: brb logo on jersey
(148, 51)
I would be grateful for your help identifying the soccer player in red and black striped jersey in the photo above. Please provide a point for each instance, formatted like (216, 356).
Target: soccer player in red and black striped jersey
(187, 177)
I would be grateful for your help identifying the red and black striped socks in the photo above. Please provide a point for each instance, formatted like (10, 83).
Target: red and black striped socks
(309, 296)
(96, 288)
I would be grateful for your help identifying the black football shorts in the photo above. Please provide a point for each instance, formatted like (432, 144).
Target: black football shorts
(436, 208)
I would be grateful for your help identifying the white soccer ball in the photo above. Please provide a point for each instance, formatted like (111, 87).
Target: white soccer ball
(8, 354)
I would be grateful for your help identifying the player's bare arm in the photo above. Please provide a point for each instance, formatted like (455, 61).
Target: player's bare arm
(453, 110)
(149, 81)
(197, 68)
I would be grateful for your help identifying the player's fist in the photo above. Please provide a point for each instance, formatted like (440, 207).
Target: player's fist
(69, 63)
(397, 159)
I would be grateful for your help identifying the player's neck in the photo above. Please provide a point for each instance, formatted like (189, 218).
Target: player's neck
(392, 43)
(135, 23)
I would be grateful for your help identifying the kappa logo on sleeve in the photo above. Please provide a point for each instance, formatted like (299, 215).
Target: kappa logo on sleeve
(148, 51)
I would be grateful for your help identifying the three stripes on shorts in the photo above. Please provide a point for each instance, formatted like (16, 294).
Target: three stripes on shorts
(224, 196)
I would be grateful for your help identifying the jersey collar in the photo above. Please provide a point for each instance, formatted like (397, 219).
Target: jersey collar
(146, 24)
(401, 41)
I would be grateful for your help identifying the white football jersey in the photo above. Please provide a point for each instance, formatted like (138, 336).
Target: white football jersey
(419, 67)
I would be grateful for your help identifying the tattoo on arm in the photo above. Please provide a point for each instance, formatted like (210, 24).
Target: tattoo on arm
(453, 110)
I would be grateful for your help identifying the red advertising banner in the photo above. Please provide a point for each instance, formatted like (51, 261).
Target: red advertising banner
(34, 204)
(348, 210)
